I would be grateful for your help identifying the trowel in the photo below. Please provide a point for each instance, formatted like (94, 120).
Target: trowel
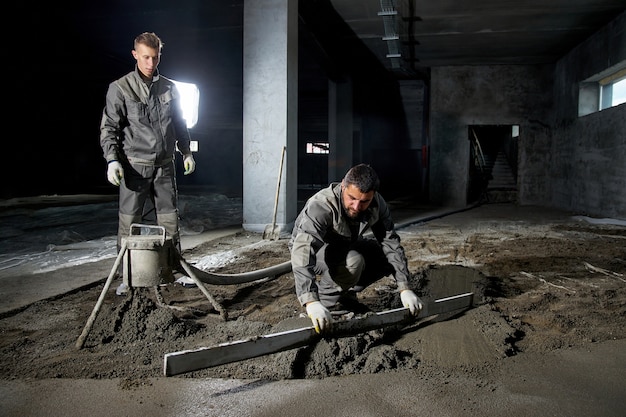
(206, 357)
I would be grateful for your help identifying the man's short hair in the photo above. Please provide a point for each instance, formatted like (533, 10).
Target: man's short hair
(363, 177)
(150, 39)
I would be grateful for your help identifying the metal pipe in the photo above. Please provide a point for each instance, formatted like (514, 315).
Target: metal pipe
(217, 306)
(81, 339)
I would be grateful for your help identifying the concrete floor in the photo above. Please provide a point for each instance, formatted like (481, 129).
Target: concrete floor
(571, 382)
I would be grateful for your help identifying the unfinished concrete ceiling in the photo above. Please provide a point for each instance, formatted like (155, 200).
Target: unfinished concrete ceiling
(409, 35)
(406, 36)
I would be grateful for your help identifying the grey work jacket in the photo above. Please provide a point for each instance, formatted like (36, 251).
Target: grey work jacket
(143, 124)
(322, 220)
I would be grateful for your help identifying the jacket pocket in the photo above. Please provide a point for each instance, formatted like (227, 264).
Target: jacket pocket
(167, 100)
(137, 111)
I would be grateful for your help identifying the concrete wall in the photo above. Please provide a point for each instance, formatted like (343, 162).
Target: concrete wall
(488, 95)
(564, 161)
(588, 169)
(270, 113)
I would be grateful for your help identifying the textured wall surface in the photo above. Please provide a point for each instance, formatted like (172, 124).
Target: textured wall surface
(588, 167)
(487, 95)
(564, 161)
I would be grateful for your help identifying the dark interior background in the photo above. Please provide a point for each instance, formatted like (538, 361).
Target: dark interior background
(67, 53)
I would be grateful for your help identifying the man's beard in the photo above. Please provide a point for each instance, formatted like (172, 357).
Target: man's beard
(354, 215)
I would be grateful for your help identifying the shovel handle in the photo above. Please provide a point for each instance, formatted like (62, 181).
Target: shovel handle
(280, 174)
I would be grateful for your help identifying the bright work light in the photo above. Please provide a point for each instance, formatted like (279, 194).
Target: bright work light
(190, 98)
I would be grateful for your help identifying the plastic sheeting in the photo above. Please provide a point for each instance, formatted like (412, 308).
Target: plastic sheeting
(39, 239)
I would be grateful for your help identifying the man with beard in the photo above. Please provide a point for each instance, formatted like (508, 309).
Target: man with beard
(331, 258)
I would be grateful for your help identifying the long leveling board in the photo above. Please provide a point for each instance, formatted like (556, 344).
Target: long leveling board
(194, 359)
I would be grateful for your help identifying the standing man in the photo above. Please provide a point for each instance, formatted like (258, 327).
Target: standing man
(331, 259)
(142, 125)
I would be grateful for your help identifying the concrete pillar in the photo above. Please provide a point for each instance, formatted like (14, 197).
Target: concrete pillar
(270, 112)
(340, 129)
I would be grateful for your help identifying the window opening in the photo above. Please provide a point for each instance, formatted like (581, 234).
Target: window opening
(317, 147)
(613, 93)
(602, 91)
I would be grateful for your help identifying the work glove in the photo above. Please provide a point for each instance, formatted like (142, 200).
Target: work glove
(190, 164)
(115, 173)
(411, 301)
(319, 315)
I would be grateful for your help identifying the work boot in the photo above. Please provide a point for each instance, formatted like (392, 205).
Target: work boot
(348, 303)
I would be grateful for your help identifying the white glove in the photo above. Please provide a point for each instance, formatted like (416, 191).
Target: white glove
(115, 173)
(319, 315)
(190, 164)
(411, 301)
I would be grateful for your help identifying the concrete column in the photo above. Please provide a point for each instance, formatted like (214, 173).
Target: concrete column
(270, 112)
(340, 129)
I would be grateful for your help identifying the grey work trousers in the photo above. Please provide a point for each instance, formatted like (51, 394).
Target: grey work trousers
(144, 185)
(342, 271)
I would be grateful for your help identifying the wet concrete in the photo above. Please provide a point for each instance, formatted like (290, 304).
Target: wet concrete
(568, 382)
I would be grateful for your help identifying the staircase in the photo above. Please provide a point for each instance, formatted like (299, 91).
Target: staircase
(502, 187)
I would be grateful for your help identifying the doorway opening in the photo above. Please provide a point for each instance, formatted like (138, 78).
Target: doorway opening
(493, 163)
